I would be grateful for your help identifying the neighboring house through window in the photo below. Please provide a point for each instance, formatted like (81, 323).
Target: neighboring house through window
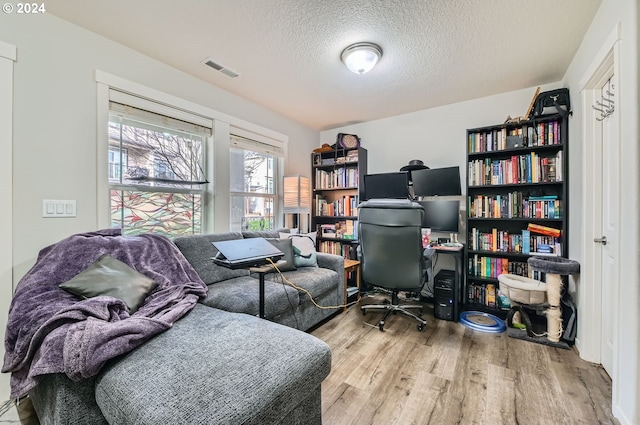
(117, 160)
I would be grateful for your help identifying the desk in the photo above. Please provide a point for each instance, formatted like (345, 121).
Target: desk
(351, 266)
(458, 254)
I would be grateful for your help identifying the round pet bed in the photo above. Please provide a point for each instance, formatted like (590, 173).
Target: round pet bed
(522, 290)
(483, 322)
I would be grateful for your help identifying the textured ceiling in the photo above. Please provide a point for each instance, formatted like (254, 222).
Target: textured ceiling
(287, 52)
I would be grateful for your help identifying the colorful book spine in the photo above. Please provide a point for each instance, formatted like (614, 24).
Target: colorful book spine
(543, 230)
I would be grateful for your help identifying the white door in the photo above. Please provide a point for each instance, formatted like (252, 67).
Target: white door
(610, 155)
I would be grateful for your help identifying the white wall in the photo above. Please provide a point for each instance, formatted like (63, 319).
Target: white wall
(436, 136)
(54, 138)
(7, 56)
(626, 379)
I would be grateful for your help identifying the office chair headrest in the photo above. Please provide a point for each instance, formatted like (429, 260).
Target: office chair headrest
(390, 203)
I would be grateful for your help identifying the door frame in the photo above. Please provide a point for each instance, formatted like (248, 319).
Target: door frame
(7, 59)
(590, 331)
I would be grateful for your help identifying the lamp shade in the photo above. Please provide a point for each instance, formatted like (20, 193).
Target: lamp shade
(360, 58)
(297, 197)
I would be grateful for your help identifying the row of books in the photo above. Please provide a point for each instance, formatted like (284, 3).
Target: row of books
(345, 206)
(529, 168)
(514, 205)
(540, 134)
(492, 267)
(344, 229)
(523, 242)
(333, 247)
(345, 177)
(488, 295)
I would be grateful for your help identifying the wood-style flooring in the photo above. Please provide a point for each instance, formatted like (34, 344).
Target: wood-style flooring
(450, 374)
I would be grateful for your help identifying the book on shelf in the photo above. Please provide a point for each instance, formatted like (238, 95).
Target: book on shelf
(491, 295)
(543, 230)
(526, 241)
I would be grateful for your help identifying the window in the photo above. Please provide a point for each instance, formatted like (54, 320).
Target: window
(156, 178)
(254, 168)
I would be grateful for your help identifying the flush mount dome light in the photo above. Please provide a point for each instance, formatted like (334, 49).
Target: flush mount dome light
(361, 57)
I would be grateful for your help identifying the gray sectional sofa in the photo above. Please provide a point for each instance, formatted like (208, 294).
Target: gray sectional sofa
(237, 290)
(219, 364)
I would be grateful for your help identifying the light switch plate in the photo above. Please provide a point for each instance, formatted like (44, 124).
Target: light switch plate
(58, 208)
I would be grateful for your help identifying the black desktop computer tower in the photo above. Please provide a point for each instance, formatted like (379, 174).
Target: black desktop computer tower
(443, 294)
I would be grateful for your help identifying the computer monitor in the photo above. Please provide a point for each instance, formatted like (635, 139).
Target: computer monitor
(393, 185)
(441, 215)
(437, 182)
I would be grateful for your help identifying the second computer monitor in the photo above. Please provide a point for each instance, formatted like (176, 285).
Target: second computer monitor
(441, 215)
(437, 182)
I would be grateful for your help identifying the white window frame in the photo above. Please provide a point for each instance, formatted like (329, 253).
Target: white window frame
(217, 211)
(245, 140)
(134, 111)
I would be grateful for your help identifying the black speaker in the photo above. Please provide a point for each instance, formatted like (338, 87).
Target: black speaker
(443, 294)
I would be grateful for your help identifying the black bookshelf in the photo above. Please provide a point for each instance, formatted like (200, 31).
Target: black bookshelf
(516, 190)
(338, 187)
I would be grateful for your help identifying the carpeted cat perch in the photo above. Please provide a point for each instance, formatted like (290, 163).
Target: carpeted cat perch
(537, 295)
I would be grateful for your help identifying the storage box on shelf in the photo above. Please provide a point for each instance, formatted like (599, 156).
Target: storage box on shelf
(516, 203)
(338, 186)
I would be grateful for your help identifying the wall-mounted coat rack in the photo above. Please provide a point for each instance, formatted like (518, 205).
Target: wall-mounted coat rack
(605, 105)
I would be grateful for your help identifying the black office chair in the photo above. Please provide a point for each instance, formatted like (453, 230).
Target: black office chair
(391, 253)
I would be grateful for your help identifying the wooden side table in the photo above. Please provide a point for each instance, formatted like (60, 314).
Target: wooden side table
(350, 266)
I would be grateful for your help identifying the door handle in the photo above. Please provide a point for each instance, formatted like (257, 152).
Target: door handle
(602, 240)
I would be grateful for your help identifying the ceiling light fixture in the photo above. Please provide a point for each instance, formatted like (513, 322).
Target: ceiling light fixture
(360, 58)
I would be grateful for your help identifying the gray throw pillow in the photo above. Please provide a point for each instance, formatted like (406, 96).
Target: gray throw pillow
(111, 277)
(286, 247)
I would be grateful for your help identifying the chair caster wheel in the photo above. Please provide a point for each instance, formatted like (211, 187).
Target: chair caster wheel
(364, 312)
(420, 327)
(381, 326)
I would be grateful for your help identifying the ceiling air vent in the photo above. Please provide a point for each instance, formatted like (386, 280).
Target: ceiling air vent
(220, 68)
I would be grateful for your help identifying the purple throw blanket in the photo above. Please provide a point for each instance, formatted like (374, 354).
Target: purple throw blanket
(52, 331)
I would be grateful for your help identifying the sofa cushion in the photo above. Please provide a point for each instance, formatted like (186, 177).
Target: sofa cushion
(111, 277)
(199, 250)
(215, 367)
(313, 279)
(242, 295)
(286, 247)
